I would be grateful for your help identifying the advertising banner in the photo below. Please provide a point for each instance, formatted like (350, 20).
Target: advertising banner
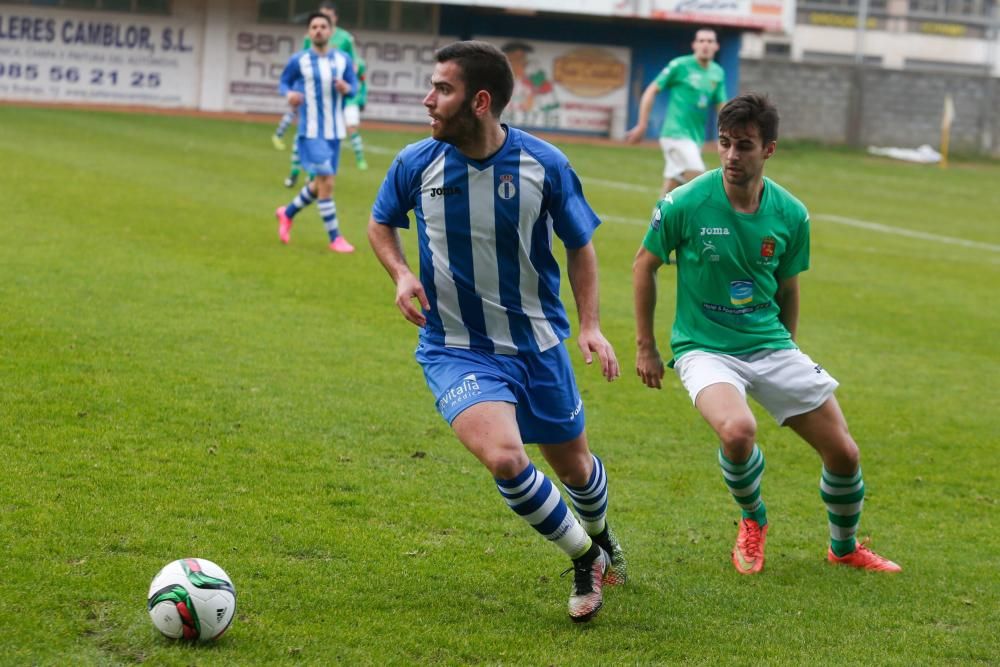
(399, 67)
(99, 58)
(770, 15)
(399, 73)
(567, 87)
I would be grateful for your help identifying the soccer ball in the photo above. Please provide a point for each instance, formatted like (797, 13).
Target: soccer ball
(192, 599)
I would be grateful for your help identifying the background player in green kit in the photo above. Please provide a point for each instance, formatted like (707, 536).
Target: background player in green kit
(343, 40)
(696, 83)
(353, 106)
(741, 241)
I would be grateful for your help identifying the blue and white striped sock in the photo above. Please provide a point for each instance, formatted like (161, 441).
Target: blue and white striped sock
(303, 199)
(534, 497)
(286, 120)
(328, 211)
(591, 500)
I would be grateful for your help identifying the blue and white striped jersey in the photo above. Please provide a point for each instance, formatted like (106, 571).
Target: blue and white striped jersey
(321, 114)
(485, 232)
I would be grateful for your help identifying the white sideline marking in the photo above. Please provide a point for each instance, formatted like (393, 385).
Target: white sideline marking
(851, 222)
(623, 221)
(901, 231)
(619, 185)
(837, 219)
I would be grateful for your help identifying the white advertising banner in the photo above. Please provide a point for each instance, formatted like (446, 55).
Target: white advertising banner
(567, 87)
(528, 7)
(770, 15)
(399, 67)
(257, 56)
(399, 73)
(99, 58)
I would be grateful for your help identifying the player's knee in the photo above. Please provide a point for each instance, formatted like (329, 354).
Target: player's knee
(738, 436)
(848, 454)
(506, 463)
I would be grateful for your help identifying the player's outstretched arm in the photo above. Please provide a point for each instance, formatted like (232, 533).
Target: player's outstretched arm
(387, 247)
(582, 270)
(648, 362)
(636, 134)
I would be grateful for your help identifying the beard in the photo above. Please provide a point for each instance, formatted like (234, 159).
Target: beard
(739, 178)
(457, 128)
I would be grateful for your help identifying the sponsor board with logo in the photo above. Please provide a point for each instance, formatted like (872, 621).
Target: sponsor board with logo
(398, 73)
(567, 87)
(771, 15)
(55, 55)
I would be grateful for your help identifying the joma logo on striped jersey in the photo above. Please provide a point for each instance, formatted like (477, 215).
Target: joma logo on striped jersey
(445, 191)
(715, 231)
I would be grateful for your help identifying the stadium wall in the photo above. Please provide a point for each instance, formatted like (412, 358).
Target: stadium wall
(836, 104)
(217, 57)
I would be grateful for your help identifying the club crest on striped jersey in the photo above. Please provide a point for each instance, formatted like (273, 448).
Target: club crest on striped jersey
(506, 189)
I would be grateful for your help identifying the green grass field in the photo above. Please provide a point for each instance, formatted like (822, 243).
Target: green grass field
(174, 382)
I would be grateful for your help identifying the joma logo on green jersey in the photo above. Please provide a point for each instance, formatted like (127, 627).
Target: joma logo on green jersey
(715, 231)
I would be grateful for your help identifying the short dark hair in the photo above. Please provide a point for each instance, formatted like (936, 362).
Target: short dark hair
(705, 28)
(319, 15)
(484, 67)
(326, 4)
(751, 109)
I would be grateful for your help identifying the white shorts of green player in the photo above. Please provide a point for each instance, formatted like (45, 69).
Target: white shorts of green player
(785, 382)
(352, 116)
(681, 157)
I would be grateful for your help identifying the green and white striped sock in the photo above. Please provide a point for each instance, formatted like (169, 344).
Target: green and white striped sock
(296, 164)
(358, 145)
(743, 480)
(844, 497)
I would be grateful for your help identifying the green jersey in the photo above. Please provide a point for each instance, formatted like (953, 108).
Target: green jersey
(729, 264)
(340, 39)
(693, 91)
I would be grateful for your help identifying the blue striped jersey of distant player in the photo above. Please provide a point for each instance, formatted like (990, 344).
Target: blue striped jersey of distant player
(321, 114)
(485, 236)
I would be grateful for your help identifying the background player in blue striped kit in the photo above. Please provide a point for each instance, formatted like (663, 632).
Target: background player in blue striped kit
(326, 76)
(487, 199)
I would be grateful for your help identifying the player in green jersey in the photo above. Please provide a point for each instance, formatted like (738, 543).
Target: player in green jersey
(343, 40)
(353, 106)
(741, 241)
(696, 83)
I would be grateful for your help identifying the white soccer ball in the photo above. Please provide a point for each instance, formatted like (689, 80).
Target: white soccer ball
(192, 599)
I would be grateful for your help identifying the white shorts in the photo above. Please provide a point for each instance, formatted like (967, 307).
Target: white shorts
(785, 382)
(352, 115)
(680, 155)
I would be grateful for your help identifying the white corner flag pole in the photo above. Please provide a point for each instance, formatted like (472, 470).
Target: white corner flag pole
(946, 119)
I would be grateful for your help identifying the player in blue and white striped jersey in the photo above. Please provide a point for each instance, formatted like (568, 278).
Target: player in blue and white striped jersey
(489, 202)
(316, 80)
